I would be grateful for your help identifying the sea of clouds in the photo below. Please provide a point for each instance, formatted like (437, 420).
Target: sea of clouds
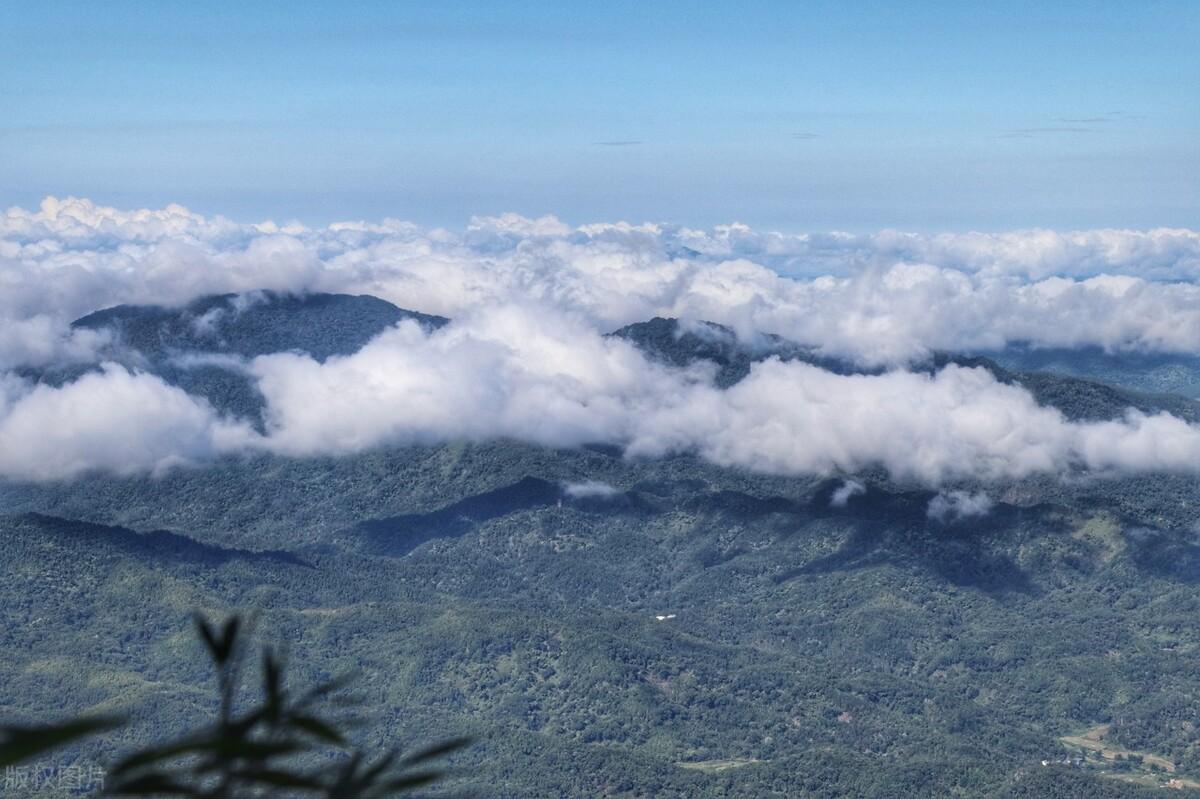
(525, 355)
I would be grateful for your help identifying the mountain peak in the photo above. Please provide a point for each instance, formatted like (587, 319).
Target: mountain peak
(254, 323)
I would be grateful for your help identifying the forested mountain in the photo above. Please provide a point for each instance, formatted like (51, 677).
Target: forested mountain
(252, 324)
(202, 346)
(1154, 372)
(608, 625)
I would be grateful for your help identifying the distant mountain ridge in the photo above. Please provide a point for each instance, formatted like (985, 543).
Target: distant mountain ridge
(155, 338)
(1078, 396)
(1152, 372)
(1091, 386)
(257, 323)
(159, 546)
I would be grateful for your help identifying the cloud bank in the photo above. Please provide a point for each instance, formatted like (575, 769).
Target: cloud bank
(515, 373)
(882, 298)
(525, 356)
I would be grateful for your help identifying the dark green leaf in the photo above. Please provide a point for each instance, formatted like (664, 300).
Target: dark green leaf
(272, 684)
(18, 744)
(229, 639)
(157, 754)
(277, 778)
(208, 636)
(382, 765)
(154, 784)
(319, 728)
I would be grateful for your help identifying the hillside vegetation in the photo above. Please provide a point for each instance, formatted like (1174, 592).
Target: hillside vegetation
(690, 631)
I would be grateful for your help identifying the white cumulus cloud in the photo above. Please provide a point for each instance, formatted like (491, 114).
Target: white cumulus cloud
(879, 298)
(590, 489)
(952, 506)
(848, 489)
(113, 420)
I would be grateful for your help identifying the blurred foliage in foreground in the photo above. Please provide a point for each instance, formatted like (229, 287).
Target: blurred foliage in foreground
(280, 745)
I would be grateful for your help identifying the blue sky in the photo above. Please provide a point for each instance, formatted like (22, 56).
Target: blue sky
(787, 115)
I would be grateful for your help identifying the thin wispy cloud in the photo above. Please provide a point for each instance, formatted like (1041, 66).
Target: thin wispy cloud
(1069, 125)
(1085, 120)
(1026, 133)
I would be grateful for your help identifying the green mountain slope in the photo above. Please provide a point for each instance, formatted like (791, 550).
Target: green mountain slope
(813, 650)
(1155, 373)
(608, 626)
